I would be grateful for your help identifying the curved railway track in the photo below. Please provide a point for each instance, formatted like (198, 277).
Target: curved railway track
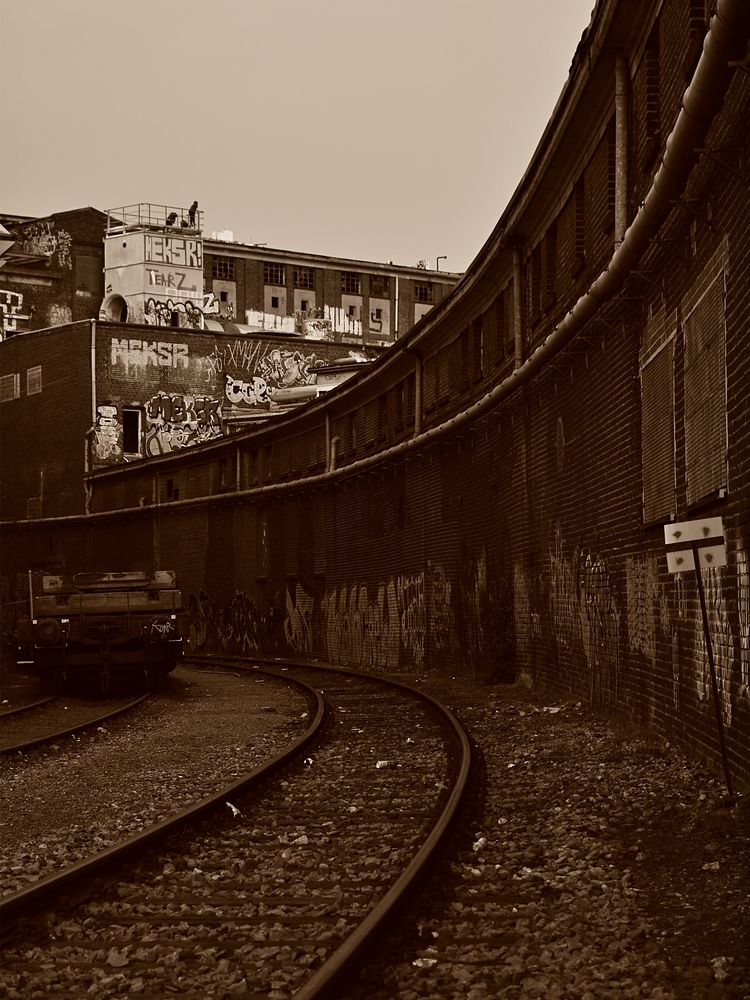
(274, 885)
(52, 719)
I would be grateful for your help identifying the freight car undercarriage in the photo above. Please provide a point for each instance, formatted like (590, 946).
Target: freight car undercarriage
(121, 626)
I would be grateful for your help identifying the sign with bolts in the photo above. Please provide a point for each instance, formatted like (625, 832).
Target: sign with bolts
(695, 544)
(699, 545)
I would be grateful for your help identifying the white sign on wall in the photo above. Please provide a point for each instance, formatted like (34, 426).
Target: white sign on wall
(687, 541)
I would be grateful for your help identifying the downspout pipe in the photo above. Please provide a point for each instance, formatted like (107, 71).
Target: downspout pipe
(518, 306)
(622, 145)
(725, 41)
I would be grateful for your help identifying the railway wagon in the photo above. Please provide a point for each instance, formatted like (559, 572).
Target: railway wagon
(97, 627)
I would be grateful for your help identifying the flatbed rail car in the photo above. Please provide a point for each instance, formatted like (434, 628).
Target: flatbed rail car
(99, 626)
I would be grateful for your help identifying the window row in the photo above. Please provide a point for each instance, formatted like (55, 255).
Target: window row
(10, 385)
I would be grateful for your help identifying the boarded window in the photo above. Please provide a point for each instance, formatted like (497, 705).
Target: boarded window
(33, 380)
(705, 392)
(10, 387)
(657, 434)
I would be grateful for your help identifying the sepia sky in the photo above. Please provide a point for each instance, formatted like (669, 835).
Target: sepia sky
(372, 129)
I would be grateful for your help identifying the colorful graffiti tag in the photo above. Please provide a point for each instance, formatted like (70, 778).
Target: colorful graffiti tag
(177, 420)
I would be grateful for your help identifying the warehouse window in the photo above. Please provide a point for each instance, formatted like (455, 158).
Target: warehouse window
(304, 277)
(351, 283)
(705, 386)
(424, 292)
(274, 274)
(33, 380)
(380, 286)
(131, 431)
(222, 268)
(10, 387)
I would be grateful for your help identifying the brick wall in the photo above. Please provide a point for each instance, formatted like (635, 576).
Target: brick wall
(43, 429)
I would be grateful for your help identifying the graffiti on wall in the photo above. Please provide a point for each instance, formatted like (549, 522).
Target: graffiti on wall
(44, 239)
(251, 393)
(179, 250)
(107, 435)
(299, 623)
(743, 614)
(269, 371)
(59, 313)
(183, 312)
(277, 366)
(722, 642)
(142, 353)
(11, 305)
(440, 606)
(563, 595)
(644, 597)
(586, 614)
(241, 626)
(600, 629)
(244, 625)
(242, 355)
(178, 420)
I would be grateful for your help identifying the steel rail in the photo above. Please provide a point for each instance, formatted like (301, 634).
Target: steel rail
(79, 727)
(340, 962)
(10, 713)
(31, 899)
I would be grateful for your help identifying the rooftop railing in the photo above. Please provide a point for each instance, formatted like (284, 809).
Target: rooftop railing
(155, 217)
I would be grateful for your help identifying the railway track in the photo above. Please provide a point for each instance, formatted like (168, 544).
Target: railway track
(52, 719)
(273, 886)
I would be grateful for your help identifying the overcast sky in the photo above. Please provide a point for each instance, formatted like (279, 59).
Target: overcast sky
(373, 129)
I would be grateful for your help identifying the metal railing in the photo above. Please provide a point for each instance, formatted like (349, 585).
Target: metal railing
(156, 217)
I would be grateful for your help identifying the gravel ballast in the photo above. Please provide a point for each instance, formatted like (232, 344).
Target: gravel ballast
(64, 803)
(592, 863)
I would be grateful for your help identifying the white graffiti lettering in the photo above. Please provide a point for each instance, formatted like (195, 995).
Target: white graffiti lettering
(142, 353)
(252, 393)
(10, 311)
(174, 250)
